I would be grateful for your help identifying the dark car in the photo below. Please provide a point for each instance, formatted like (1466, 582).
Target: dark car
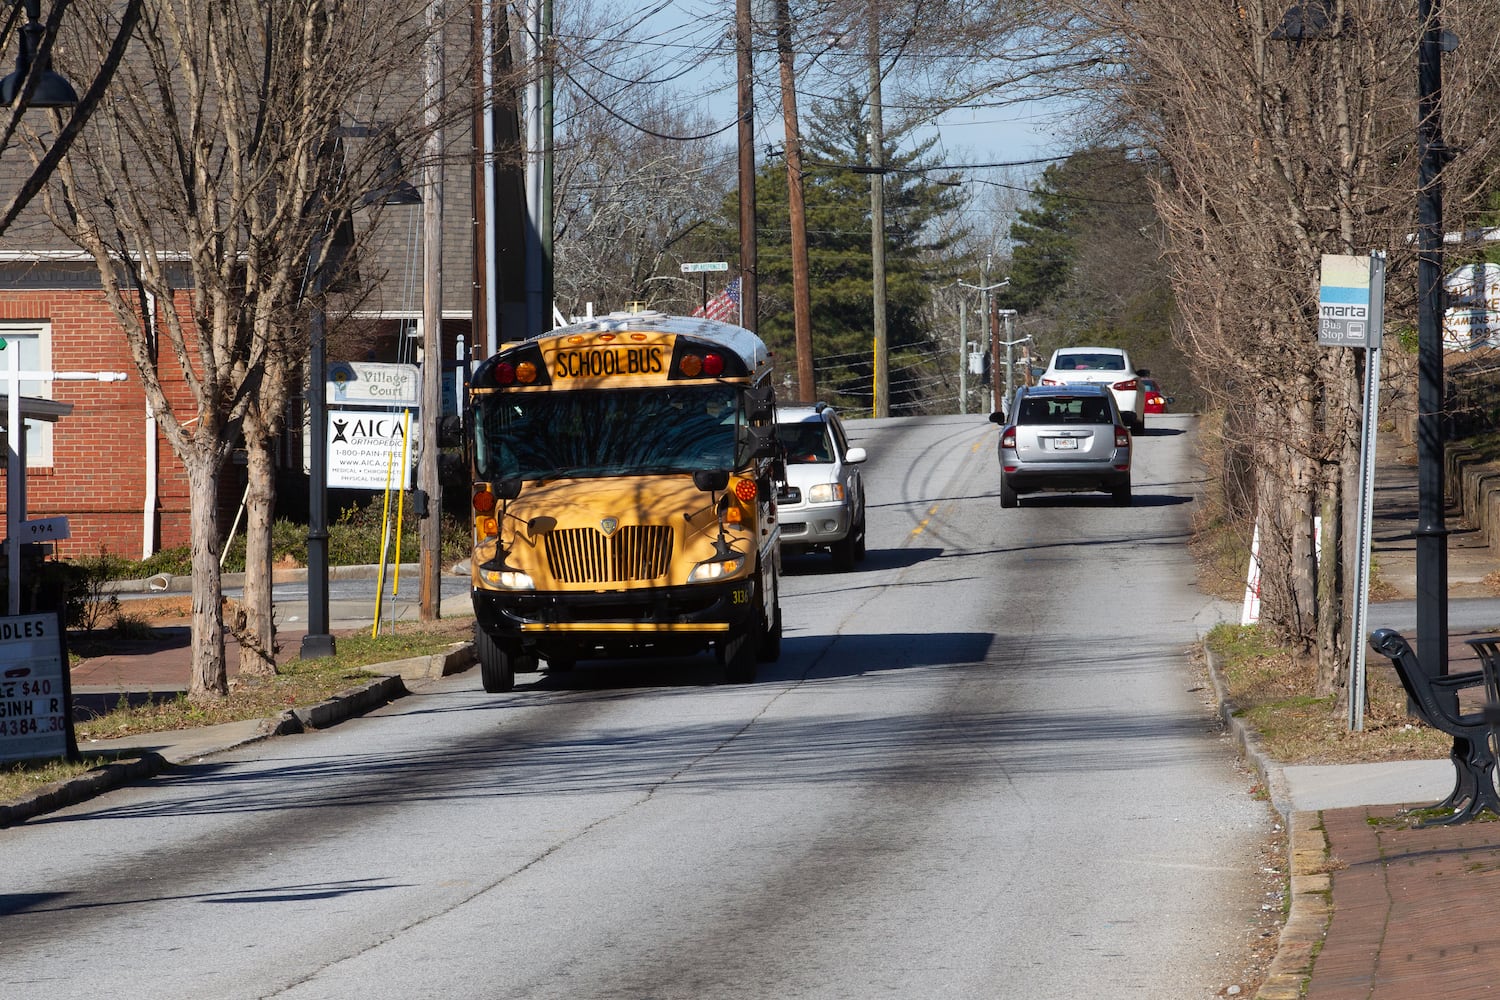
(1064, 437)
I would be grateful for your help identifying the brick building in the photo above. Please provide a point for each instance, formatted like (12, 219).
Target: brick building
(107, 467)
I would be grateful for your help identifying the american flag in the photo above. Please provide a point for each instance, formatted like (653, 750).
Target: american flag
(724, 306)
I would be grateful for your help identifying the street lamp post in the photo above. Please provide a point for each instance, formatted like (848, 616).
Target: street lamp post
(1431, 531)
(318, 641)
(50, 89)
(391, 190)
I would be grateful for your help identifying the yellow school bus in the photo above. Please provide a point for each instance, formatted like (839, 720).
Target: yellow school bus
(624, 499)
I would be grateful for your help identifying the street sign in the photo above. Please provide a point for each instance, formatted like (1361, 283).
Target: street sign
(1351, 300)
(35, 717)
(368, 383)
(717, 265)
(365, 449)
(44, 529)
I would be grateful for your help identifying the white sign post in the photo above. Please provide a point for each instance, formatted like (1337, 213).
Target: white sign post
(36, 711)
(15, 463)
(1351, 310)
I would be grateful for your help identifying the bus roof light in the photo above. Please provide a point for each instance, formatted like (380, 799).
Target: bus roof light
(505, 373)
(713, 365)
(691, 365)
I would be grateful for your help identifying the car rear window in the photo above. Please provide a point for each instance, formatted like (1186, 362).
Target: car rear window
(1064, 410)
(1089, 363)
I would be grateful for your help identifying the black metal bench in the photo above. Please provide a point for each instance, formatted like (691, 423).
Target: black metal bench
(1435, 700)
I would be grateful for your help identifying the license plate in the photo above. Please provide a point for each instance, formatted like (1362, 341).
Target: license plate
(1063, 444)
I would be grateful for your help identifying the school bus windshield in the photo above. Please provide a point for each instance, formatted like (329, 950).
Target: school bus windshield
(594, 433)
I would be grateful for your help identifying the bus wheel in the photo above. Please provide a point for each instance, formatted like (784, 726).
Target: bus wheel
(497, 670)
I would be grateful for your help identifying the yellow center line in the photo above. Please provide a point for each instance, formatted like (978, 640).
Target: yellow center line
(922, 524)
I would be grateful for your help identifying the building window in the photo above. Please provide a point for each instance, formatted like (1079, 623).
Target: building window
(32, 344)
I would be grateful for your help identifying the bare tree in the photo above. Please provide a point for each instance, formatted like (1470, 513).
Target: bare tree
(636, 179)
(214, 189)
(1279, 151)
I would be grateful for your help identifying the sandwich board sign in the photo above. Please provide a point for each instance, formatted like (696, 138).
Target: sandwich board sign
(36, 713)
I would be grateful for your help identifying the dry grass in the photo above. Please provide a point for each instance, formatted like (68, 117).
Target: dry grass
(1275, 695)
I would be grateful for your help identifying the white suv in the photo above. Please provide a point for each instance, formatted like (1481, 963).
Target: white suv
(1107, 366)
(822, 503)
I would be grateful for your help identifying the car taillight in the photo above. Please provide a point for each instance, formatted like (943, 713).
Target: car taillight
(1122, 437)
(1129, 385)
(1052, 381)
(1008, 438)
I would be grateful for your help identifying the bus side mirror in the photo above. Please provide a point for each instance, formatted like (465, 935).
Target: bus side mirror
(767, 446)
(506, 489)
(760, 403)
(711, 480)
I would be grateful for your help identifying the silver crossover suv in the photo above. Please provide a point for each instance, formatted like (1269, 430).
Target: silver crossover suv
(822, 502)
(1063, 437)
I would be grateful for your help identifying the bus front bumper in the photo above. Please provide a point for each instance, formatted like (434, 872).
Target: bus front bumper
(666, 620)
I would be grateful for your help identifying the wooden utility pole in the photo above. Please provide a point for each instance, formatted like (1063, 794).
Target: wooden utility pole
(429, 535)
(749, 253)
(801, 296)
(882, 382)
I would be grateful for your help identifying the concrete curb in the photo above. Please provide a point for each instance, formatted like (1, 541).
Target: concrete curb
(345, 705)
(1311, 888)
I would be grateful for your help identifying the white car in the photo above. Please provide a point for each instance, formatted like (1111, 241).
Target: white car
(1106, 366)
(822, 502)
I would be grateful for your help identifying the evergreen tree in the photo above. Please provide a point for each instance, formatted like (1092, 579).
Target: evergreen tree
(1086, 267)
(837, 195)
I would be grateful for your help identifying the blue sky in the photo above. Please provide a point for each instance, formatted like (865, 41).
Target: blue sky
(691, 40)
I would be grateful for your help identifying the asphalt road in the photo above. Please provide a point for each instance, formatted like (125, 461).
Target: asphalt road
(982, 768)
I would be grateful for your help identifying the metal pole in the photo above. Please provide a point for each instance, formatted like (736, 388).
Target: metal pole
(1369, 423)
(15, 481)
(318, 641)
(1431, 532)
(963, 355)
(429, 531)
(1010, 347)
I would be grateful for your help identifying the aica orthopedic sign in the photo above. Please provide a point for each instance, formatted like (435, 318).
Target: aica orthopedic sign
(1351, 300)
(371, 450)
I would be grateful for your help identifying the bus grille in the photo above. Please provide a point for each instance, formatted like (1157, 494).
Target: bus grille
(586, 555)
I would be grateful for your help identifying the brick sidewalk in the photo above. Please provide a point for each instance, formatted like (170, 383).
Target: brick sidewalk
(1414, 910)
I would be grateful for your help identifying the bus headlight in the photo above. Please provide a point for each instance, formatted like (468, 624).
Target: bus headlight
(510, 579)
(716, 569)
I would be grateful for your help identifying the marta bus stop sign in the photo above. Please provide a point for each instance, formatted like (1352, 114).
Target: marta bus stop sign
(1351, 301)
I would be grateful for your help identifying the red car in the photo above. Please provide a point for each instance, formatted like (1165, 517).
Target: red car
(1156, 400)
